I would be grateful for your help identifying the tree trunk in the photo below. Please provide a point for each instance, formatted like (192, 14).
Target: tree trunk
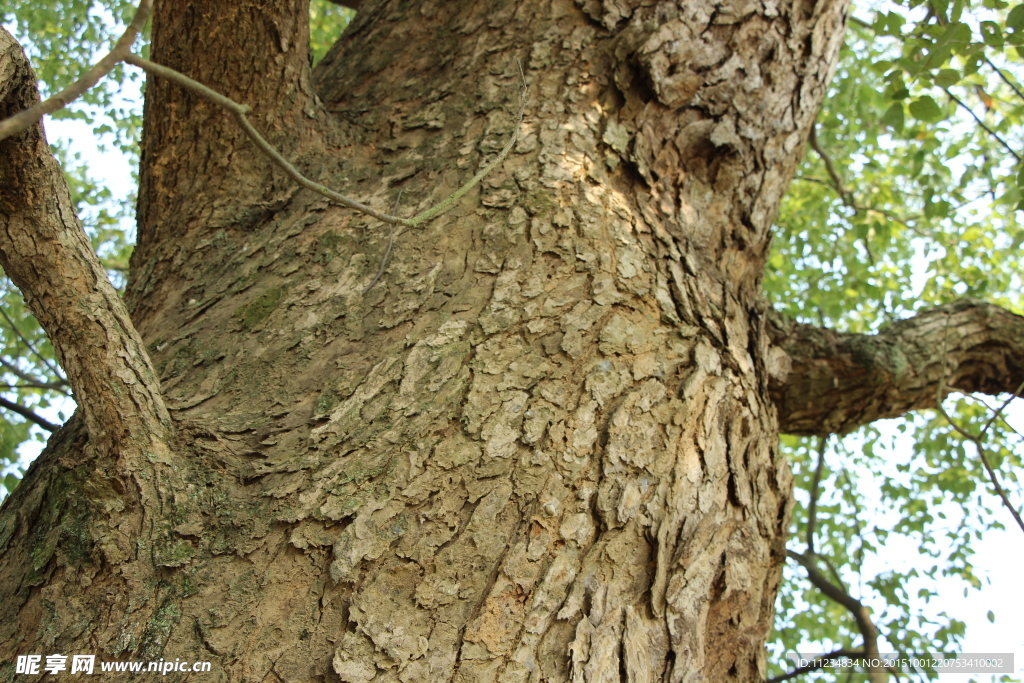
(540, 448)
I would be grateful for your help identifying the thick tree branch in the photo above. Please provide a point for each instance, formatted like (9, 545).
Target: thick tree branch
(45, 252)
(28, 414)
(838, 382)
(122, 52)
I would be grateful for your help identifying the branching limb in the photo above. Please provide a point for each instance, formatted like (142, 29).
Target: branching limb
(30, 116)
(860, 612)
(836, 382)
(978, 441)
(239, 112)
(122, 52)
(28, 414)
(45, 252)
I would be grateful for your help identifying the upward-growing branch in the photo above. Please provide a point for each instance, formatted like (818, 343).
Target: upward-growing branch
(45, 252)
(239, 112)
(121, 51)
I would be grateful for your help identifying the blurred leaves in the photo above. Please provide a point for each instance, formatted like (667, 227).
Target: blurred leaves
(326, 22)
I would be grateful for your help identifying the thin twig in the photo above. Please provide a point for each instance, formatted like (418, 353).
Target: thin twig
(981, 123)
(860, 22)
(855, 504)
(821, 662)
(122, 52)
(885, 213)
(857, 609)
(976, 439)
(1005, 78)
(391, 242)
(450, 200)
(845, 195)
(1000, 409)
(28, 415)
(942, 21)
(32, 381)
(31, 348)
(32, 385)
(29, 117)
(812, 508)
(239, 111)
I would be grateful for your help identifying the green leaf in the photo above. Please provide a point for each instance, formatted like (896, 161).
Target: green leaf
(925, 109)
(893, 116)
(958, 8)
(991, 34)
(11, 482)
(1015, 19)
(946, 78)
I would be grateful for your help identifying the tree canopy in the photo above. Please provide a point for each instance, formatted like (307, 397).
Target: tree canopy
(907, 199)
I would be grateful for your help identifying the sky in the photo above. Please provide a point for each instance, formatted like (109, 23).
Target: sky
(999, 559)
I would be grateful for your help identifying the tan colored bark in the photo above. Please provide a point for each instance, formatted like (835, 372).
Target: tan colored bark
(92, 500)
(200, 178)
(46, 253)
(829, 383)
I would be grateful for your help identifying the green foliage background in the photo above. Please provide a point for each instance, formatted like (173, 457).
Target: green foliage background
(909, 199)
(923, 132)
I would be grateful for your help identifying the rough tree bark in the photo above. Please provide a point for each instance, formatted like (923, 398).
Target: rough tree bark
(542, 448)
